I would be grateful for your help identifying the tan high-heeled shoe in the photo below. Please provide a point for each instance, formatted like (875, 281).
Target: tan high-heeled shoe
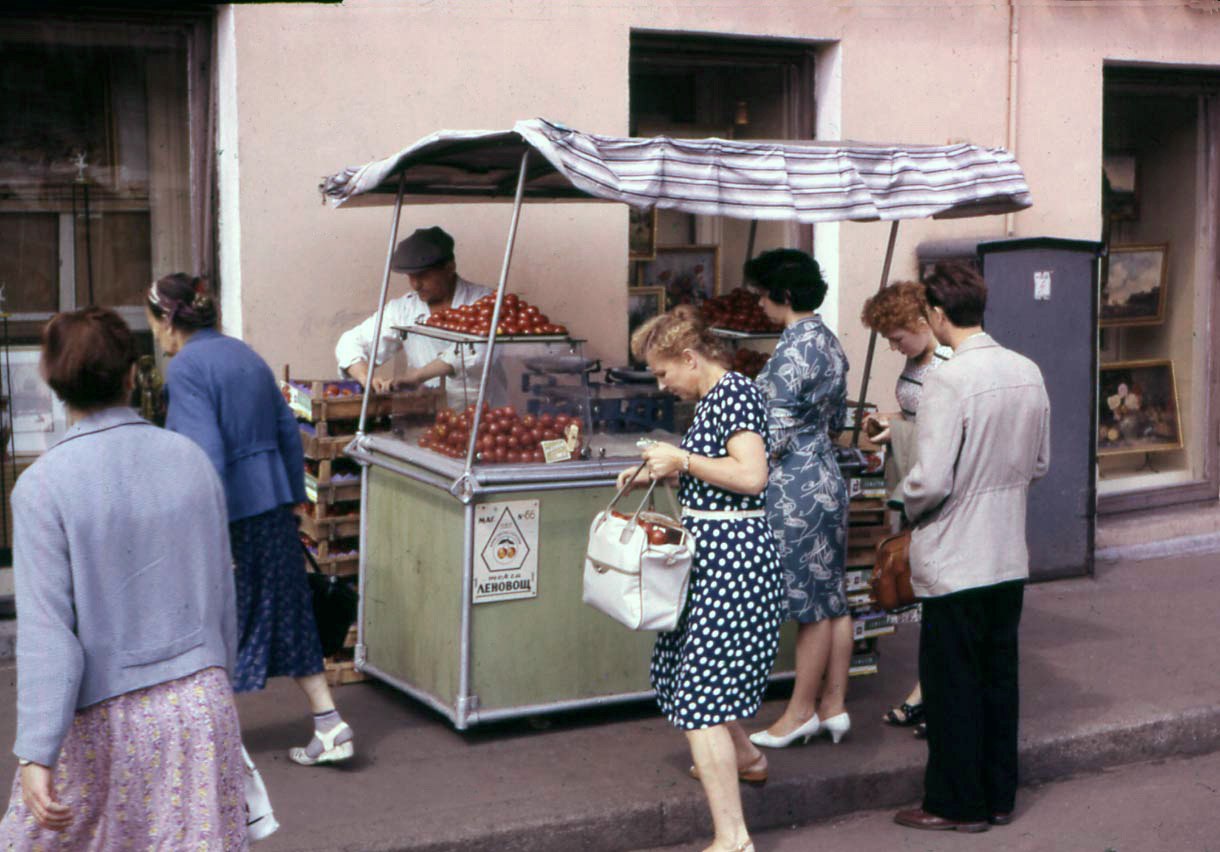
(755, 773)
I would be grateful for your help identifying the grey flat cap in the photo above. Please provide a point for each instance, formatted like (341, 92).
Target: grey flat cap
(426, 248)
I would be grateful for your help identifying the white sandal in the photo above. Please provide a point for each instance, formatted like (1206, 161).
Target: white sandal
(331, 753)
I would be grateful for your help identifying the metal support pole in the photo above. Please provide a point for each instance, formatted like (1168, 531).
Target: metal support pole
(466, 704)
(361, 561)
(385, 287)
(495, 316)
(872, 340)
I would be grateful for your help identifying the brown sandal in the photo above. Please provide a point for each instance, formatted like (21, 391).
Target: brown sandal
(755, 773)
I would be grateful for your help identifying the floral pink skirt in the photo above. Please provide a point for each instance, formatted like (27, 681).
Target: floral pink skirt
(158, 768)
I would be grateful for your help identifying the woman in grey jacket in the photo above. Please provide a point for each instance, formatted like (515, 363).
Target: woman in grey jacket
(127, 735)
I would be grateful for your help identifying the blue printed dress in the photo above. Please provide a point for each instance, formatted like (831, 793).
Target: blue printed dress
(712, 668)
(805, 387)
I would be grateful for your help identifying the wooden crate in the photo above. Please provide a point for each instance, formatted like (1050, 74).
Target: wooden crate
(323, 529)
(331, 559)
(325, 510)
(318, 447)
(340, 672)
(322, 402)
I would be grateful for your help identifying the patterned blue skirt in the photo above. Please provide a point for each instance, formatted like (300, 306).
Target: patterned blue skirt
(276, 631)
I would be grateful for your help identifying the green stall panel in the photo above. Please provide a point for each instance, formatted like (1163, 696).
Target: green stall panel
(528, 653)
(412, 585)
(553, 647)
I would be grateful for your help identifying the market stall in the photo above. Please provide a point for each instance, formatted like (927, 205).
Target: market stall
(473, 527)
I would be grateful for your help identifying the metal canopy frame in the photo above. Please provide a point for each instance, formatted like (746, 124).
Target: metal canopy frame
(476, 167)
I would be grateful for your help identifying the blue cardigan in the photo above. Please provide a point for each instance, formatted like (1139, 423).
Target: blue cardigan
(122, 569)
(224, 397)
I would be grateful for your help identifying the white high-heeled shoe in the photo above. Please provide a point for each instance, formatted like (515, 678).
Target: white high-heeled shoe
(837, 726)
(806, 731)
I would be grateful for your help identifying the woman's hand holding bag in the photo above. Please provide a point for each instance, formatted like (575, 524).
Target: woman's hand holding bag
(637, 567)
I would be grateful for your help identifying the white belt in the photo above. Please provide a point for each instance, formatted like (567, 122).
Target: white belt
(730, 515)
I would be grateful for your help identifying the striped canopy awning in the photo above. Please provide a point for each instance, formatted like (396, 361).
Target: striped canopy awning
(743, 179)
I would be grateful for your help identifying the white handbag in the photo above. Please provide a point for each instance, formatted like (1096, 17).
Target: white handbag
(634, 581)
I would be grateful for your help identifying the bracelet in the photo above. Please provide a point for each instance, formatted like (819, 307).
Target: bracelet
(686, 462)
(21, 761)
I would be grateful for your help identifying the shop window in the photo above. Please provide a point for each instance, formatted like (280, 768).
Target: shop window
(689, 86)
(98, 194)
(1156, 420)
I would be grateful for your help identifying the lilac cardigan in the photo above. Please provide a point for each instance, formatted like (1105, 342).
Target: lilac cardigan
(122, 571)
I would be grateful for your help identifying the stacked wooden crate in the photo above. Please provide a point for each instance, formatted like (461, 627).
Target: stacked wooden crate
(868, 523)
(328, 413)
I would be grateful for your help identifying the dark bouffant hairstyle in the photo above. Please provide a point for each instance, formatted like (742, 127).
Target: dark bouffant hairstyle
(957, 288)
(185, 300)
(673, 332)
(789, 276)
(86, 357)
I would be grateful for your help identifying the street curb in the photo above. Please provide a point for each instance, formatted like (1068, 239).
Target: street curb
(801, 799)
(1169, 548)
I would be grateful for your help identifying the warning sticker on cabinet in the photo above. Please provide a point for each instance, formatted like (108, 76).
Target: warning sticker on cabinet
(505, 551)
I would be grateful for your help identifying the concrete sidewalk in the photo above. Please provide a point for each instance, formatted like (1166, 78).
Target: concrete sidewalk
(1117, 669)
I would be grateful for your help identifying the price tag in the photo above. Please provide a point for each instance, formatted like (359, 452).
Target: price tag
(556, 451)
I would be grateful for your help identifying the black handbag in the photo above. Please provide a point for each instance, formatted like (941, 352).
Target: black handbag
(336, 604)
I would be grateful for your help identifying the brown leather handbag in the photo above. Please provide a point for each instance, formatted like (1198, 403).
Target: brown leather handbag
(891, 580)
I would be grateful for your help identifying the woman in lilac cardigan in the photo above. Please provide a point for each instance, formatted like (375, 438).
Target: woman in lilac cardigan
(224, 397)
(127, 736)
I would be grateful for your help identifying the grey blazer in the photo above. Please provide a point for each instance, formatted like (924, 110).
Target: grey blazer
(122, 571)
(982, 436)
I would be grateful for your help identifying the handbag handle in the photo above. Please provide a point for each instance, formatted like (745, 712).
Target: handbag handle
(635, 518)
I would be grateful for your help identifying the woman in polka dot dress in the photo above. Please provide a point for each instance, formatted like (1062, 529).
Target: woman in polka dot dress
(711, 670)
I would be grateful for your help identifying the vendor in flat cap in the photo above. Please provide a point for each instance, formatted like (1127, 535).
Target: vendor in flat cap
(426, 257)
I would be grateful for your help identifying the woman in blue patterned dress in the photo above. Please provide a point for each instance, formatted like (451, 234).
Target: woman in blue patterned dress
(224, 397)
(711, 670)
(805, 385)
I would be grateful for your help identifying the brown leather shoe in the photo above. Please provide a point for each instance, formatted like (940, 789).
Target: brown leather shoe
(921, 819)
(1000, 818)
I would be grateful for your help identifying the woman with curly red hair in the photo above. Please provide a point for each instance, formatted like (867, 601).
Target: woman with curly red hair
(899, 314)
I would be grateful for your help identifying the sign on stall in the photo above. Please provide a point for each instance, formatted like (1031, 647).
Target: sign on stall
(506, 551)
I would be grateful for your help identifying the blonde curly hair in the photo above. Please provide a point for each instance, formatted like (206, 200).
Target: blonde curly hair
(900, 305)
(673, 332)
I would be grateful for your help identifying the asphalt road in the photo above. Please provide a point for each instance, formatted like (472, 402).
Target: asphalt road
(1148, 807)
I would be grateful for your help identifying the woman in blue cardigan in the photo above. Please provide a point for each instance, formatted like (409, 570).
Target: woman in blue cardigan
(223, 396)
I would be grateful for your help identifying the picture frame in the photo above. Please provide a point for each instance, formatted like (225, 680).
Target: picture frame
(37, 417)
(1137, 408)
(1120, 185)
(690, 274)
(643, 303)
(1135, 285)
(641, 233)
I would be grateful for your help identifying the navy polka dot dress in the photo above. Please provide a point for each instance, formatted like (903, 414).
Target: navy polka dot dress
(713, 667)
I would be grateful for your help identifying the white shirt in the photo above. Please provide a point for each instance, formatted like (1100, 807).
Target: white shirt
(463, 386)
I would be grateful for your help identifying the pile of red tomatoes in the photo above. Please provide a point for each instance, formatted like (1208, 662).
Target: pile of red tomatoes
(504, 437)
(517, 317)
(748, 362)
(739, 311)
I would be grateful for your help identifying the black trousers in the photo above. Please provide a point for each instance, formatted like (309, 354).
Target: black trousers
(968, 669)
